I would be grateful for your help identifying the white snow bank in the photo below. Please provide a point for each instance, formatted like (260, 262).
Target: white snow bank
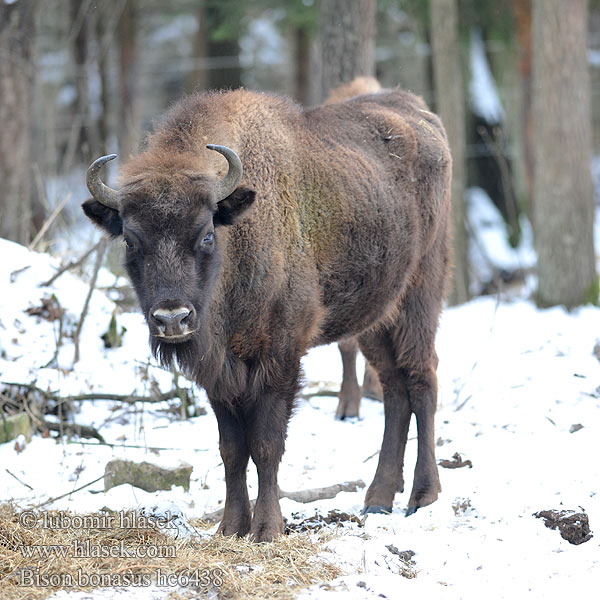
(512, 381)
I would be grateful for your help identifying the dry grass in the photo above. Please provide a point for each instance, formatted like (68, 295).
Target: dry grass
(236, 568)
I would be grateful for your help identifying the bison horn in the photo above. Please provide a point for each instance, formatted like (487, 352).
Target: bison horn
(225, 186)
(102, 193)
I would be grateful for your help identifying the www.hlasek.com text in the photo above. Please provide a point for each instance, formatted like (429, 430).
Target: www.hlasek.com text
(87, 549)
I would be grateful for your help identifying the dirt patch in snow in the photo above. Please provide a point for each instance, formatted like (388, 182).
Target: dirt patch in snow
(456, 462)
(318, 521)
(573, 526)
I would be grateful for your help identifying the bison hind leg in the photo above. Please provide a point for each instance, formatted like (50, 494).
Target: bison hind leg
(404, 357)
(350, 393)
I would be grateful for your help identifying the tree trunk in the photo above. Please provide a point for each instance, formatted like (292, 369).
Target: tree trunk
(104, 37)
(83, 19)
(450, 107)
(563, 196)
(302, 60)
(347, 34)
(522, 10)
(17, 34)
(198, 77)
(224, 50)
(128, 104)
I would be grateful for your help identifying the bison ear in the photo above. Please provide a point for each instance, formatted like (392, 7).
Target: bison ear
(108, 219)
(231, 208)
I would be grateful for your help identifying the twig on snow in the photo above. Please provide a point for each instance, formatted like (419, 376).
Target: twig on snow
(371, 456)
(21, 482)
(99, 256)
(304, 496)
(51, 500)
(59, 341)
(40, 234)
(136, 446)
(71, 265)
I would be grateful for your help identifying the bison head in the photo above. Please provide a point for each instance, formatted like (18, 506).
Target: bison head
(171, 226)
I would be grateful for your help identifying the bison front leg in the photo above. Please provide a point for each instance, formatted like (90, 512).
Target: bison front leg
(235, 455)
(267, 430)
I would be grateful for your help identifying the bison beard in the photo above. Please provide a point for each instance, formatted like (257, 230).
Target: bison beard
(328, 223)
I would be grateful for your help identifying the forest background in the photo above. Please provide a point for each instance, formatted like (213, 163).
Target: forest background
(515, 81)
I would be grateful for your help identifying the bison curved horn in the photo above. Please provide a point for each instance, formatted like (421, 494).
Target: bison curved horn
(225, 186)
(101, 192)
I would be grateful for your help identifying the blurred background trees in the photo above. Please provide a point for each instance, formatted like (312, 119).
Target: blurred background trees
(516, 84)
(17, 79)
(347, 41)
(450, 106)
(563, 211)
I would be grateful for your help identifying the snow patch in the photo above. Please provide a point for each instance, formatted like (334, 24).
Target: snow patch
(483, 93)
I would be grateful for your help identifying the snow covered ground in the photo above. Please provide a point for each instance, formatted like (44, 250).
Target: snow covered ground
(513, 380)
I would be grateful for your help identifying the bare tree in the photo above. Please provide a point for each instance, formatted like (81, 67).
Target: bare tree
(522, 11)
(128, 63)
(224, 16)
(563, 195)
(198, 76)
(17, 34)
(302, 44)
(347, 36)
(83, 19)
(450, 106)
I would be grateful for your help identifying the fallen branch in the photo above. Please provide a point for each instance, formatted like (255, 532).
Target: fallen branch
(304, 496)
(71, 265)
(319, 394)
(84, 431)
(324, 493)
(127, 398)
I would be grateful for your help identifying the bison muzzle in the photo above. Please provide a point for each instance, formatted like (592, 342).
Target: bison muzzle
(305, 226)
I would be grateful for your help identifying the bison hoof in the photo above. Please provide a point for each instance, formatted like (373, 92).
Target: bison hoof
(265, 535)
(230, 529)
(411, 510)
(346, 416)
(266, 531)
(376, 509)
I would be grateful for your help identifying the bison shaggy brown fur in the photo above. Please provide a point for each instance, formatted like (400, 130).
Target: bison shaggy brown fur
(338, 228)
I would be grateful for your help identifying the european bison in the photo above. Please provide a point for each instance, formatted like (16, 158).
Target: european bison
(301, 228)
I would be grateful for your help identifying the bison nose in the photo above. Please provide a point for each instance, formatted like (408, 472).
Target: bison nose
(171, 322)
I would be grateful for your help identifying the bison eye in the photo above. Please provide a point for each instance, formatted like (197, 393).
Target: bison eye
(128, 243)
(208, 238)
